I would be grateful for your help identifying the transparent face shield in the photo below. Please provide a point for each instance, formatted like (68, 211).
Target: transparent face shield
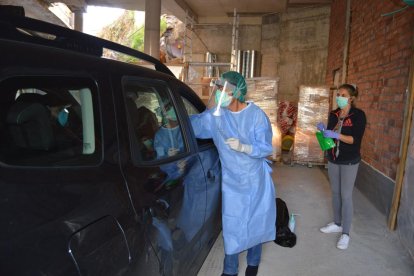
(221, 96)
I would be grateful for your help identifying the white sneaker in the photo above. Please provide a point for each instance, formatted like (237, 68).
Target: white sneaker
(331, 228)
(343, 242)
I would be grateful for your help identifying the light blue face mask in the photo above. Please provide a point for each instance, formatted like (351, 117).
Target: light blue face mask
(170, 114)
(62, 117)
(225, 101)
(148, 143)
(341, 101)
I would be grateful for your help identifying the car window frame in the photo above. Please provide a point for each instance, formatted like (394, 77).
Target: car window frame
(185, 94)
(134, 145)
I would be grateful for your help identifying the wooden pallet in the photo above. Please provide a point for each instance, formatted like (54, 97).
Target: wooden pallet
(309, 164)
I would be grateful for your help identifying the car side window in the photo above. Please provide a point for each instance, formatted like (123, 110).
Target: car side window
(154, 125)
(192, 110)
(49, 121)
(189, 107)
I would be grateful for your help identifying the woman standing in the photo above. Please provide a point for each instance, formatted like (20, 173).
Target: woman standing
(346, 125)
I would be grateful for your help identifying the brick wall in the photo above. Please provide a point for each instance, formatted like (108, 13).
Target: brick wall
(336, 38)
(379, 62)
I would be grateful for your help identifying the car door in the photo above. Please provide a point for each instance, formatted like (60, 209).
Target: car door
(63, 204)
(210, 161)
(163, 171)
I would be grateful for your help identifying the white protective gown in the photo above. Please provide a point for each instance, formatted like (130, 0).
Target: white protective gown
(249, 210)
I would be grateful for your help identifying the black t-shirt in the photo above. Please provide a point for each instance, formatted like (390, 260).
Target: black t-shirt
(352, 125)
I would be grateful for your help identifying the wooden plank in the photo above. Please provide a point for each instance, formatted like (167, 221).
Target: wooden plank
(392, 218)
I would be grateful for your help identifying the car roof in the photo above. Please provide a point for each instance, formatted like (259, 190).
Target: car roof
(28, 30)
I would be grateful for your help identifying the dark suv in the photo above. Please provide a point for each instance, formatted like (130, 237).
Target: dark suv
(100, 172)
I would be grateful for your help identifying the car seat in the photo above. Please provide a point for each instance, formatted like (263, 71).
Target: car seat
(29, 126)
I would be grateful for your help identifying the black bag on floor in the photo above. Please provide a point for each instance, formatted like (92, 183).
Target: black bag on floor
(284, 237)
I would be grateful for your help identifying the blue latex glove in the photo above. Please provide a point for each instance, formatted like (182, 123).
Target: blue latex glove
(331, 134)
(320, 126)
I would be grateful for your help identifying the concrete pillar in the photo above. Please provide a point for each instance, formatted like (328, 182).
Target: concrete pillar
(78, 20)
(152, 28)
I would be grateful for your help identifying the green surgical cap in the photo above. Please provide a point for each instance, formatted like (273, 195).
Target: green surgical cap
(238, 80)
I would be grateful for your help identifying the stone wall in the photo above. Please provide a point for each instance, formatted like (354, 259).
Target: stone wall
(293, 45)
(303, 49)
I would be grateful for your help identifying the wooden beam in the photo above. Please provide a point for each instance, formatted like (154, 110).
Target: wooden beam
(346, 42)
(408, 115)
(307, 2)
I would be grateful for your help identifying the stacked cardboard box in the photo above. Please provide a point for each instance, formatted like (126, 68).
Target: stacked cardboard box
(263, 92)
(313, 107)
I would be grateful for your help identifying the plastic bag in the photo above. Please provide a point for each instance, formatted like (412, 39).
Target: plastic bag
(284, 237)
(324, 142)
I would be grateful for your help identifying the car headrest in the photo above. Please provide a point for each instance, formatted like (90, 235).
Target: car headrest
(31, 98)
(30, 126)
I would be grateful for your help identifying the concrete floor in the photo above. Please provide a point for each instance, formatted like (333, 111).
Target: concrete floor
(373, 250)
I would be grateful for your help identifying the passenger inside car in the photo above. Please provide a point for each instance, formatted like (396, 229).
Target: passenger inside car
(168, 139)
(42, 126)
(145, 125)
(146, 132)
(65, 124)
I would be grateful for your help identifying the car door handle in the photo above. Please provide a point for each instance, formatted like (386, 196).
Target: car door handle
(210, 175)
(159, 209)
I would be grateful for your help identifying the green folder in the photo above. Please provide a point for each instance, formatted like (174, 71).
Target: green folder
(324, 142)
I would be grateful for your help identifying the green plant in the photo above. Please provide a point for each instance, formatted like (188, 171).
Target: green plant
(125, 32)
